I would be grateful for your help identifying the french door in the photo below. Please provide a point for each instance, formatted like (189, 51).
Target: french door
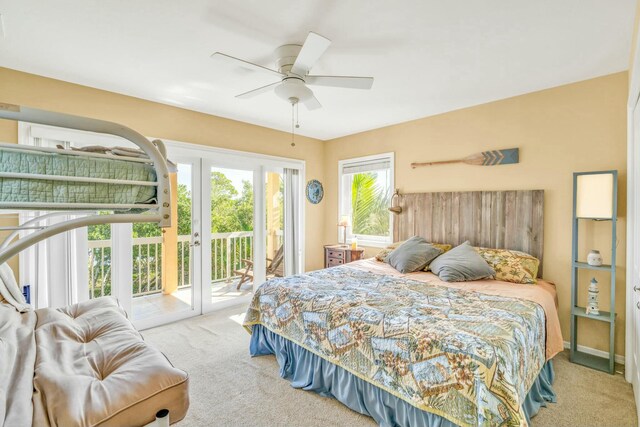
(166, 264)
(247, 216)
(230, 248)
(252, 224)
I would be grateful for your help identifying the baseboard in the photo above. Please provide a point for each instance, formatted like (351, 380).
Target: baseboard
(595, 352)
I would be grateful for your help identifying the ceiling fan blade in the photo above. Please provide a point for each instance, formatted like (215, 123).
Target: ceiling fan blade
(227, 59)
(312, 49)
(340, 81)
(312, 103)
(258, 91)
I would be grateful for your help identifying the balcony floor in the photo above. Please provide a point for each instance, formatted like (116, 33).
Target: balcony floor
(149, 306)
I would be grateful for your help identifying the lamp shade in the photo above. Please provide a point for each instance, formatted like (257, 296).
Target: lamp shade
(345, 221)
(594, 196)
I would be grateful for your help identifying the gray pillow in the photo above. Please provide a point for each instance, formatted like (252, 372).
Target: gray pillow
(461, 264)
(413, 255)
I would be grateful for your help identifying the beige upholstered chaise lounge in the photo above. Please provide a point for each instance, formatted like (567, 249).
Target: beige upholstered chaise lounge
(81, 365)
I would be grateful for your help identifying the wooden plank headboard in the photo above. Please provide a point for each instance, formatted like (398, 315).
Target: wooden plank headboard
(493, 219)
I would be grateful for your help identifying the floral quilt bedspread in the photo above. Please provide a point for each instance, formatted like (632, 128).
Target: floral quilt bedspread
(466, 356)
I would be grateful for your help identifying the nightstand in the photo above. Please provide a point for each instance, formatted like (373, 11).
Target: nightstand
(341, 254)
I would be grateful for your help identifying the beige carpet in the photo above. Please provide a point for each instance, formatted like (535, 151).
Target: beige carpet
(229, 388)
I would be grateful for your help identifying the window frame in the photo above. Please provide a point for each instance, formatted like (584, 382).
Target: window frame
(344, 208)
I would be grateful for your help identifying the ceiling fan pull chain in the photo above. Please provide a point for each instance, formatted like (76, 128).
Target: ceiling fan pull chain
(297, 114)
(293, 144)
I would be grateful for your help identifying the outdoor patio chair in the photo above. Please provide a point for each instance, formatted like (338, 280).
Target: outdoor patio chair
(274, 268)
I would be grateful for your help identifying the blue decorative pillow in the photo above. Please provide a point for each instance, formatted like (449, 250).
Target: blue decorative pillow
(461, 264)
(413, 255)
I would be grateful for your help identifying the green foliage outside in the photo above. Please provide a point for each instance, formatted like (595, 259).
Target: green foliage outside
(369, 205)
(230, 211)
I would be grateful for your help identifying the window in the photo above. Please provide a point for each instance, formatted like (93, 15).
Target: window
(366, 185)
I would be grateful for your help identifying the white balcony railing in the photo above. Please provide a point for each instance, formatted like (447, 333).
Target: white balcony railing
(227, 253)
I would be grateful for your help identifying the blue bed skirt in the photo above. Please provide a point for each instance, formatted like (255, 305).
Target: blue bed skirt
(311, 372)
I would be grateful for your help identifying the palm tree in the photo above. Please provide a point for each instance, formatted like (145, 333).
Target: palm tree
(369, 204)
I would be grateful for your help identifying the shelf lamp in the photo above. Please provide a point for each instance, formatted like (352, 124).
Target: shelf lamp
(396, 208)
(594, 196)
(345, 221)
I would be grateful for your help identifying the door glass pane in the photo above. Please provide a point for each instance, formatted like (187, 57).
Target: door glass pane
(231, 225)
(162, 262)
(99, 245)
(274, 220)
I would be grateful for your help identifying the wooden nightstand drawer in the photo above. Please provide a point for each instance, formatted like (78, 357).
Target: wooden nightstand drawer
(334, 261)
(335, 254)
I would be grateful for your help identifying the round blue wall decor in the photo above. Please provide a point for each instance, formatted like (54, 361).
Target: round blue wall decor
(315, 192)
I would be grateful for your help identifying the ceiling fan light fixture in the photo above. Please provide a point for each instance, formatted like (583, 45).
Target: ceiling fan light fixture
(293, 88)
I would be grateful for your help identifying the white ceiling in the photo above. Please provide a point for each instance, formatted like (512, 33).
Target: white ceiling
(427, 56)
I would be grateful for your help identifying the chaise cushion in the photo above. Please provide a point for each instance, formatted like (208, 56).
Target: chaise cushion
(93, 369)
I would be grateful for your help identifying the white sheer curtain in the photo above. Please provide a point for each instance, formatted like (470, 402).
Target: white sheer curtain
(33, 265)
(53, 267)
(292, 252)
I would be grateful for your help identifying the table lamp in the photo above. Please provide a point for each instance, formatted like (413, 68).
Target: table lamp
(345, 221)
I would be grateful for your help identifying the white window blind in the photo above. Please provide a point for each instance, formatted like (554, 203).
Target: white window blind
(365, 166)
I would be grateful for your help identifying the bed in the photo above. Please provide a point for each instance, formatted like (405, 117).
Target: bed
(411, 350)
(133, 185)
(83, 364)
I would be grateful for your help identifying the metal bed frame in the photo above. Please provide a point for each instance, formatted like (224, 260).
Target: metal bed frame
(160, 212)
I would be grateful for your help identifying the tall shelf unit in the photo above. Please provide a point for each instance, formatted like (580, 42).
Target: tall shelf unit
(605, 364)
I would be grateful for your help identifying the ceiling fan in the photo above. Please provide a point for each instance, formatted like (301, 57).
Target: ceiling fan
(293, 63)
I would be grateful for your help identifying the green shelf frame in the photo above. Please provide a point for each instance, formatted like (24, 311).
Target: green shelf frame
(585, 266)
(603, 316)
(590, 360)
(606, 364)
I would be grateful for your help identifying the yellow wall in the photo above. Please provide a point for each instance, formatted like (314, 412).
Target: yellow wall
(163, 121)
(634, 39)
(577, 127)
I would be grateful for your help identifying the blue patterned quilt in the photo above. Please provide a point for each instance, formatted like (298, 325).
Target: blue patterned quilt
(466, 356)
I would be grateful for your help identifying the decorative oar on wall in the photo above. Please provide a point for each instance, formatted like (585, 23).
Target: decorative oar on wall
(486, 158)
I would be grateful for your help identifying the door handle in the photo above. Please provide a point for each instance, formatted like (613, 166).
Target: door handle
(636, 288)
(638, 305)
(195, 243)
